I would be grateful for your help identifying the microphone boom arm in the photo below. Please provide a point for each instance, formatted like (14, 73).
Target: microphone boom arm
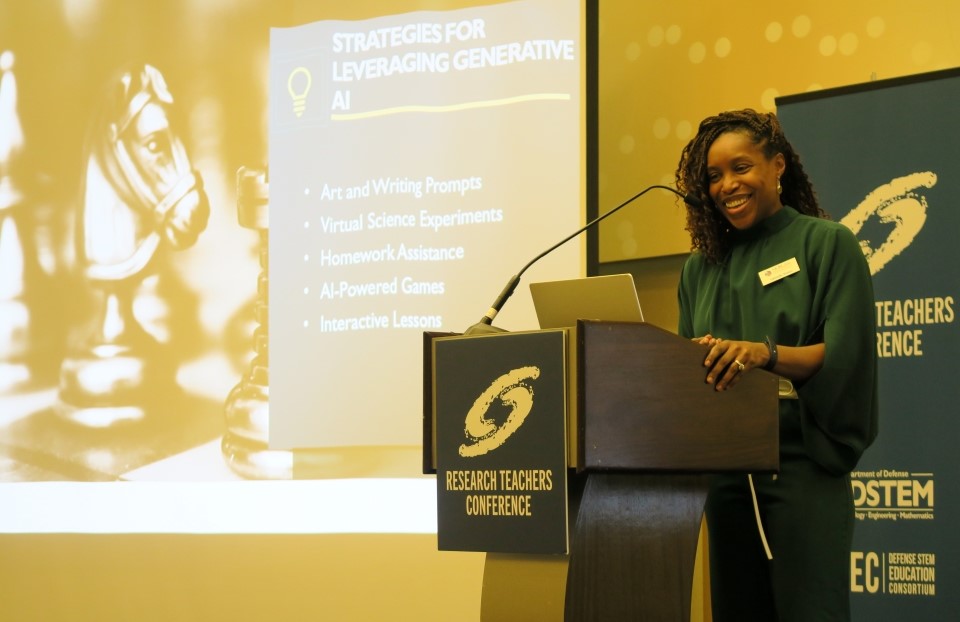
(511, 285)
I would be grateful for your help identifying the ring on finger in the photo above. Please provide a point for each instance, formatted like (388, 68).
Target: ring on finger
(740, 366)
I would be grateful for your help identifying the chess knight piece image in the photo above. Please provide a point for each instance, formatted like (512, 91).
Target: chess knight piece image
(141, 199)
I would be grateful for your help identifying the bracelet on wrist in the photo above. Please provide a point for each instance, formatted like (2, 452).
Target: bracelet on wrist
(772, 350)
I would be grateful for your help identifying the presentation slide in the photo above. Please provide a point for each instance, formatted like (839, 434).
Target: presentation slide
(218, 261)
(417, 161)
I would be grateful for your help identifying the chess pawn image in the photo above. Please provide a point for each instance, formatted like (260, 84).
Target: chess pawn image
(28, 328)
(141, 199)
(247, 409)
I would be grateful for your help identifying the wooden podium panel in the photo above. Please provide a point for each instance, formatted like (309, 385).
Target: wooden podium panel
(649, 430)
(645, 406)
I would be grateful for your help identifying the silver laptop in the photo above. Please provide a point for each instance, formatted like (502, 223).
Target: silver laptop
(611, 298)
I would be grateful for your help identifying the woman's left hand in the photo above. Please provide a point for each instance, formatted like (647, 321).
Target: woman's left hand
(727, 361)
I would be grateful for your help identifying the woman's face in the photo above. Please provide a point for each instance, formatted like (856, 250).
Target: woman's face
(743, 181)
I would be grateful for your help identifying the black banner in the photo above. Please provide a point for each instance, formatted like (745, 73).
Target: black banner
(885, 160)
(501, 443)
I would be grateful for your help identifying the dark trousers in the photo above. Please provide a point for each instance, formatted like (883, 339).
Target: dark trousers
(807, 515)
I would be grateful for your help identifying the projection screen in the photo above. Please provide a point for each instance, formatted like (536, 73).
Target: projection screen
(218, 261)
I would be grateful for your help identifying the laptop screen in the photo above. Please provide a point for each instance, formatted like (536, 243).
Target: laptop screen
(611, 298)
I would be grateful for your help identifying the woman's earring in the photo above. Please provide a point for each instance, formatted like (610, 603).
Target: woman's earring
(779, 187)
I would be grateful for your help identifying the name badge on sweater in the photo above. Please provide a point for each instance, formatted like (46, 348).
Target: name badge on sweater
(779, 271)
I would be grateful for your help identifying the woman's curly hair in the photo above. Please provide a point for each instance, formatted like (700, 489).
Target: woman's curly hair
(709, 229)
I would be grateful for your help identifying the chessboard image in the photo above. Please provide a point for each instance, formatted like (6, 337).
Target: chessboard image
(134, 203)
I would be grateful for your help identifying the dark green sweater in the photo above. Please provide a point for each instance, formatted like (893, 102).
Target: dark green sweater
(829, 300)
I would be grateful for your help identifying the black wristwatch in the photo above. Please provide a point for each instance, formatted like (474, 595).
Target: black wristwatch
(772, 349)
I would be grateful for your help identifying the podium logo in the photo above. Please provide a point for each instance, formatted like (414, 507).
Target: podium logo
(512, 390)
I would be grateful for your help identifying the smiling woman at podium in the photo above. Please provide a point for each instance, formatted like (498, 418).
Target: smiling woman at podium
(772, 283)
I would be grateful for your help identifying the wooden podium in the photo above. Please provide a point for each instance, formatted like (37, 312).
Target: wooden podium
(644, 432)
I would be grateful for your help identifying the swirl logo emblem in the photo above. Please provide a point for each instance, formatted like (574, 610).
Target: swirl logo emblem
(897, 203)
(513, 390)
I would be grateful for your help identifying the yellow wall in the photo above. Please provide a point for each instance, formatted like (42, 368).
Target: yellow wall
(664, 66)
(667, 65)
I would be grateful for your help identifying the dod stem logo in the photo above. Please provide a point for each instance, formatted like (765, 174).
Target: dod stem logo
(512, 390)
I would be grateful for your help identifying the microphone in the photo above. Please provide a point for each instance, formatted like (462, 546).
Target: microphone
(485, 325)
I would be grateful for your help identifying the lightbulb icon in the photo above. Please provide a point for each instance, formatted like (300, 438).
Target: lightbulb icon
(298, 89)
